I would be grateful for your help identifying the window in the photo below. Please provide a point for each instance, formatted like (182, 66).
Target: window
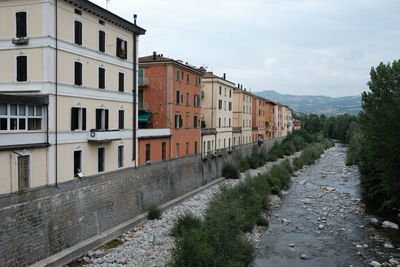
(21, 24)
(177, 150)
(23, 172)
(220, 104)
(78, 118)
(22, 68)
(230, 106)
(121, 116)
(120, 156)
(187, 121)
(224, 105)
(147, 152)
(187, 98)
(121, 81)
(197, 81)
(20, 117)
(141, 76)
(195, 147)
(229, 122)
(219, 122)
(196, 100)
(220, 90)
(195, 124)
(178, 121)
(78, 32)
(122, 48)
(102, 119)
(102, 41)
(78, 73)
(100, 159)
(77, 163)
(178, 75)
(224, 91)
(163, 150)
(102, 78)
(187, 78)
(230, 93)
(187, 148)
(178, 97)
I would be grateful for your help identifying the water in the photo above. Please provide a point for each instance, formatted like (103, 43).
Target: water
(322, 222)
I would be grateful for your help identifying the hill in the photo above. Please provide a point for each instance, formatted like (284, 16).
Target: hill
(329, 106)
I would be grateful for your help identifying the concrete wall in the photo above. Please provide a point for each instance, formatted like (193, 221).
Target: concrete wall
(44, 221)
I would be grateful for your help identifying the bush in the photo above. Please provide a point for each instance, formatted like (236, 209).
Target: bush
(298, 163)
(185, 223)
(244, 165)
(154, 213)
(230, 171)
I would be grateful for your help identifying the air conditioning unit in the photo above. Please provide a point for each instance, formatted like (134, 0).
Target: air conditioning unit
(20, 40)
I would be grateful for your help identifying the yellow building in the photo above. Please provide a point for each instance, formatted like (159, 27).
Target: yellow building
(68, 69)
(285, 120)
(242, 116)
(216, 113)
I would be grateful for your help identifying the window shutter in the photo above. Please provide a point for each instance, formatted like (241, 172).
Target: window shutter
(21, 24)
(180, 121)
(98, 119)
(23, 172)
(78, 73)
(126, 49)
(102, 41)
(74, 118)
(121, 82)
(84, 119)
(118, 46)
(121, 119)
(78, 33)
(102, 77)
(22, 69)
(106, 119)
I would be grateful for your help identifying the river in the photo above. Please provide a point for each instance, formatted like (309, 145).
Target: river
(322, 222)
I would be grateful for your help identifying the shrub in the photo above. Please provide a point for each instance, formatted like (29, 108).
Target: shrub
(244, 165)
(298, 163)
(230, 171)
(154, 213)
(185, 223)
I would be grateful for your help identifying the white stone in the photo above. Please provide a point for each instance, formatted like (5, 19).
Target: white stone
(359, 246)
(388, 224)
(303, 256)
(393, 261)
(375, 264)
(374, 221)
(388, 245)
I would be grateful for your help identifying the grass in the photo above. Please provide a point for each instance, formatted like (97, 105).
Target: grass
(154, 213)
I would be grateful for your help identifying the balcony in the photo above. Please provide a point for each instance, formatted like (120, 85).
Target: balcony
(151, 133)
(143, 106)
(12, 139)
(208, 131)
(20, 41)
(143, 81)
(237, 129)
(103, 136)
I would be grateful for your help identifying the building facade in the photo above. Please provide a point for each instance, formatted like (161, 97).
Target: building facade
(216, 113)
(242, 116)
(169, 99)
(66, 104)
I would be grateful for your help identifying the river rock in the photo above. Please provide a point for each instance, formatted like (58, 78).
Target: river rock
(303, 257)
(374, 221)
(388, 224)
(388, 245)
(393, 261)
(375, 264)
(122, 260)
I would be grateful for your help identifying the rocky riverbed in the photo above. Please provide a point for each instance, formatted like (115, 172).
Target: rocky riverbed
(322, 222)
(150, 244)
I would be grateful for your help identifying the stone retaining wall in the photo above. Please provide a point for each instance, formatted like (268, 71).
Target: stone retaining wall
(41, 222)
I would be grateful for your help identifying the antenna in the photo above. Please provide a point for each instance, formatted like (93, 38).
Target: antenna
(107, 2)
(134, 16)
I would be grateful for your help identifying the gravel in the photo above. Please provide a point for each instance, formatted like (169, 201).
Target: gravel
(150, 244)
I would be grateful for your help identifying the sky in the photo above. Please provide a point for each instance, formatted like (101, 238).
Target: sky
(302, 47)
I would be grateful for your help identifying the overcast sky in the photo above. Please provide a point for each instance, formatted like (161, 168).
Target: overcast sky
(316, 47)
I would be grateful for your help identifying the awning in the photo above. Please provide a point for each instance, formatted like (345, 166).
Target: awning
(145, 117)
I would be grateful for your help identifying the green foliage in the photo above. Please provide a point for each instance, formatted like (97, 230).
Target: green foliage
(375, 145)
(185, 223)
(154, 213)
(230, 170)
(244, 165)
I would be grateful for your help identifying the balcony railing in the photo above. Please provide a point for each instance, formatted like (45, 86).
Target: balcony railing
(208, 131)
(104, 135)
(143, 81)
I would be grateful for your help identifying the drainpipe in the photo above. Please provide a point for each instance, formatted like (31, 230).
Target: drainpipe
(56, 100)
(134, 94)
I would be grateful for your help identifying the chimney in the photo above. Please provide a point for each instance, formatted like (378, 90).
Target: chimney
(224, 76)
(154, 55)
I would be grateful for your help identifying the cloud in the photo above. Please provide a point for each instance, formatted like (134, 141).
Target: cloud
(292, 46)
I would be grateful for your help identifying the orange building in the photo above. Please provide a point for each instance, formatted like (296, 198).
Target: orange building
(169, 99)
(269, 118)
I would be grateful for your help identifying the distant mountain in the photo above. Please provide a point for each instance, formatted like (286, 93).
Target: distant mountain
(316, 104)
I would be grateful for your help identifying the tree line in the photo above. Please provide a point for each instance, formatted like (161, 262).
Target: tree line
(373, 137)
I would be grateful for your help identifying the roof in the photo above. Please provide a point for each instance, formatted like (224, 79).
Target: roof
(159, 58)
(210, 74)
(106, 15)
